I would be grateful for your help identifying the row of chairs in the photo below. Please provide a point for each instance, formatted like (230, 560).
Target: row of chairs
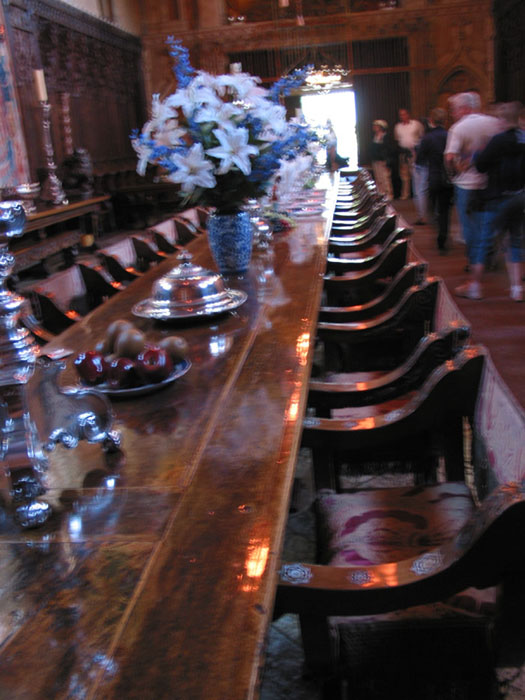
(65, 297)
(402, 535)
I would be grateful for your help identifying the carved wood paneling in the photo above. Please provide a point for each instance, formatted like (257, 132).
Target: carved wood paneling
(256, 11)
(96, 65)
(441, 36)
(510, 50)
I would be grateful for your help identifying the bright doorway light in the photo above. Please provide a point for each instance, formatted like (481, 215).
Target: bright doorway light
(338, 107)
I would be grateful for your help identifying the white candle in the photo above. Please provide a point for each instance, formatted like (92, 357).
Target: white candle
(40, 85)
(284, 3)
(235, 68)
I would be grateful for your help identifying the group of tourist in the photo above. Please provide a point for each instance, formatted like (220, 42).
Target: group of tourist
(479, 163)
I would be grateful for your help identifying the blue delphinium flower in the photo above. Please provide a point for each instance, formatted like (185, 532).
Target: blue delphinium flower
(184, 71)
(286, 84)
(222, 138)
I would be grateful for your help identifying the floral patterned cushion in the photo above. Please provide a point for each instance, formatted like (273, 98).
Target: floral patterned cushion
(428, 649)
(378, 526)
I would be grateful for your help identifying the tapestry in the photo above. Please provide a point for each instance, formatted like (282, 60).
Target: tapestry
(14, 167)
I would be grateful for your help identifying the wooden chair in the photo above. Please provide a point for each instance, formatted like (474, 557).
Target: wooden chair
(329, 390)
(171, 234)
(377, 233)
(356, 204)
(383, 341)
(65, 297)
(121, 261)
(404, 582)
(413, 273)
(197, 216)
(348, 259)
(361, 286)
(416, 428)
(147, 252)
(354, 223)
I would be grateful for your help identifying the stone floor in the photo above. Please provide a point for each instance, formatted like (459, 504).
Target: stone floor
(500, 325)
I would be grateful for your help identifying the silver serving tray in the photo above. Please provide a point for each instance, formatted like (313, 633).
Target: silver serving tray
(131, 392)
(149, 308)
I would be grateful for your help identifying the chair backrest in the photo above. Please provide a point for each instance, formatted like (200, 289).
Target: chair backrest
(365, 389)
(448, 393)
(123, 251)
(362, 286)
(378, 232)
(197, 216)
(384, 341)
(167, 229)
(408, 276)
(66, 288)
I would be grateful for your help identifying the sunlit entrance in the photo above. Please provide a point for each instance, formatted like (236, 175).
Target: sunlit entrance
(337, 106)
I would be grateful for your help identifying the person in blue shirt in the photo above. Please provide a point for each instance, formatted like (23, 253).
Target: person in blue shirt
(503, 160)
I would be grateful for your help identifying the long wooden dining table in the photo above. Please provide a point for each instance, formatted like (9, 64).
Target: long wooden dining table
(156, 578)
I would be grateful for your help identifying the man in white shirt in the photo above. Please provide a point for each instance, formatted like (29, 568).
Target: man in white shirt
(408, 133)
(470, 133)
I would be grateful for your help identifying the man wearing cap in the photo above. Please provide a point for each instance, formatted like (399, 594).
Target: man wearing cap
(381, 153)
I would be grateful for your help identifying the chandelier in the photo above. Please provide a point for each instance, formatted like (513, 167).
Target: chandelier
(325, 77)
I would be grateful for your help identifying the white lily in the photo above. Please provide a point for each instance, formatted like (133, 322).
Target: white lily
(192, 169)
(171, 134)
(221, 115)
(143, 152)
(161, 111)
(243, 84)
(234, 149)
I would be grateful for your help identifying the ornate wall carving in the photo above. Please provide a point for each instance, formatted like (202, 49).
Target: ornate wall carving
(443, 37)
(510, 49)
(95, 65)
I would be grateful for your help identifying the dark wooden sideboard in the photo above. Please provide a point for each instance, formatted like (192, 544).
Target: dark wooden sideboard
(161, 583)
(28, 253)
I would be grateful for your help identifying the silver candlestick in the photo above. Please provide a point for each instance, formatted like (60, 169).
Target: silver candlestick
(52, 190)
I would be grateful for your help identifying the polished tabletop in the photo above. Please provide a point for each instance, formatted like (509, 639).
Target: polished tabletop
(155, 577)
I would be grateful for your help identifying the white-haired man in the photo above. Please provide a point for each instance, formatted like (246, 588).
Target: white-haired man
(469, 134)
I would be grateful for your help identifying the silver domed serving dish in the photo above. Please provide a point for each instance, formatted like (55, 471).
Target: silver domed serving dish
(187, 291)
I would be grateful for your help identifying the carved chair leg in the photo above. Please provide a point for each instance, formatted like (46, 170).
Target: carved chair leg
(325, 476)
(332, 689)
(453, 449)
(319, 644)
(509, 637)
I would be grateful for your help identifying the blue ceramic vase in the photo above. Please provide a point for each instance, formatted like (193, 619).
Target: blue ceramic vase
(230, 241)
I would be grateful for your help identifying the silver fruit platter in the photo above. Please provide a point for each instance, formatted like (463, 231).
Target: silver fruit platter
(143, 389)
(187, 291)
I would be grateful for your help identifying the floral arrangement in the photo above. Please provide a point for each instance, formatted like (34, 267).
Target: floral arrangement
(221, 138)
